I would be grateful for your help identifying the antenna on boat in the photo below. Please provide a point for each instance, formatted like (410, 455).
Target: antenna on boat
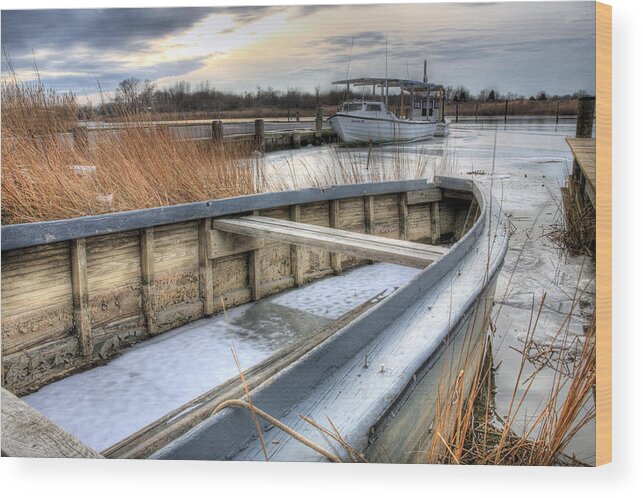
(350, 56)
(386, 76)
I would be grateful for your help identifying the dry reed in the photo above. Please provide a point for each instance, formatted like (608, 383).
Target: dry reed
(575, 228)
(49, 172)
(472, 432)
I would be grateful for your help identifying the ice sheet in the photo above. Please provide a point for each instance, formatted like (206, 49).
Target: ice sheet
(103, 405)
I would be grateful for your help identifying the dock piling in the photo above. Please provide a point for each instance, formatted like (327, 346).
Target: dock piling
(260, 136)
(217, 132)
(319, 122)
(585, 117)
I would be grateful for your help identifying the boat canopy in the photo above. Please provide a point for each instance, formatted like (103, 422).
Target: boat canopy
(407, 85)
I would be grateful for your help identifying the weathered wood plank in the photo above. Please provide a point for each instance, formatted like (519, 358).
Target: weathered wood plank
(26, 433)
(206, 285)
(147, 277)
(334, 222)
(221, 244)
(423, 196)
(254, 272)
(296, 251)
(80, 295)
(369, 214)
(403, 213)
(361, 245)
(435, 223)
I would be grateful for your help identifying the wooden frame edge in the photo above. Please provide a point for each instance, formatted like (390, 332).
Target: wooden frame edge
(603, 233)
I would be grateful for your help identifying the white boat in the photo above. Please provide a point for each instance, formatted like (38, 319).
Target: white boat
(362, 121)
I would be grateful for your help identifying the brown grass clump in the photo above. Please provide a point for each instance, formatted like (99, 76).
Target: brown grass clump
(468, 430)
(53, 170)
(576, 228)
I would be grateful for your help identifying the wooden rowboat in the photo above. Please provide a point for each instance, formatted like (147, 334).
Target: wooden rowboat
(365, 373)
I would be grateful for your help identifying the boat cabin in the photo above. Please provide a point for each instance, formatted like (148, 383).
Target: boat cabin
(414, 100)
(358, 105)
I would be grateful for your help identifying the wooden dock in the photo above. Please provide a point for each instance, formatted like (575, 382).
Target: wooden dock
(584, 170)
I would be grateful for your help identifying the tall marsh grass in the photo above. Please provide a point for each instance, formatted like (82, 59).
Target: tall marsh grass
(48, 174)
(468, 430)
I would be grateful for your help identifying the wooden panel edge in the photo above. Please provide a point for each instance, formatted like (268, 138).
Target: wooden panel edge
(603, 233)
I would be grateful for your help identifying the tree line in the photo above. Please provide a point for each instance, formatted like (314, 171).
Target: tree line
(137, 96)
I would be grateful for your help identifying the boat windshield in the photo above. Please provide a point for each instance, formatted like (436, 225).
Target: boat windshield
(351, 106)
(374, 107)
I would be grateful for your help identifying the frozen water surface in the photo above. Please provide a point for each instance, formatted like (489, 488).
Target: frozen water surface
(332, 297)
(531, 163)
(104, 405)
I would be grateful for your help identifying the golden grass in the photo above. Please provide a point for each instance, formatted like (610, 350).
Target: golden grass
(575, 228)
(468, 430)
(47, 175)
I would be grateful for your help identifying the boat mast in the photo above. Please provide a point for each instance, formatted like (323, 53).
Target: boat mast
(350, 55)
(428, 92)
(386, 77)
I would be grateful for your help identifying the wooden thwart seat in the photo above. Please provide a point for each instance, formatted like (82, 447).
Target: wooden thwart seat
(356, 244)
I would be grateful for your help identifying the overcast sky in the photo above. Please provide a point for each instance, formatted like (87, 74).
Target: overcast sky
(511, 47)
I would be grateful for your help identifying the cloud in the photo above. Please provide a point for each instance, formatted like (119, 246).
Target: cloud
(116, 30)
(519, 44)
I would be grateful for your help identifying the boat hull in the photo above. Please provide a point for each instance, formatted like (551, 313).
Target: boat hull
(357, 129)
(363, 373)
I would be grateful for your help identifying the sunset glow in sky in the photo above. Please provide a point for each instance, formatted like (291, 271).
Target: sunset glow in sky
(512, 47)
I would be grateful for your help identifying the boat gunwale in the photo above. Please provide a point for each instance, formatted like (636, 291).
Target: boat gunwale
(24, 235)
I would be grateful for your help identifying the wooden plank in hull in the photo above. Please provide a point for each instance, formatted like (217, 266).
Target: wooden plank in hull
(423, 196)
(361, 245)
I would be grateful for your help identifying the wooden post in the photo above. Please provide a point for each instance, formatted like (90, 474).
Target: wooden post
(442, 99)
(585, 117)
(403, 213)
(260, 136)
(297, 117)
(369, 215)
(506, 106)
(319, 123)
(217, 132)
(254, 270)
(296, 251)
(401, 103)
(206, 285)
(457, 110)
(557, 109)
(335, 258)
(477, 102)
(147, 276)
(80, 296)
(435, 222)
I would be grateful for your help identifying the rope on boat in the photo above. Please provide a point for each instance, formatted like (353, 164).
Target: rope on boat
(269, 418)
